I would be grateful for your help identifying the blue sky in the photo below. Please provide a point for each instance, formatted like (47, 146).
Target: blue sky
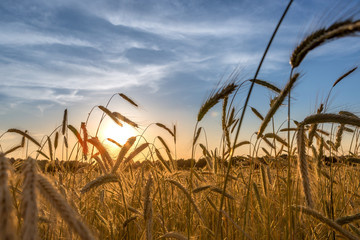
(166, 55)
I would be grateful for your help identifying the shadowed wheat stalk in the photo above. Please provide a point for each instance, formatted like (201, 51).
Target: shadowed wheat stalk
(29, 201)
(325, 220)
(7, 225)
(148, 209)
(303, 166)
(66, 212)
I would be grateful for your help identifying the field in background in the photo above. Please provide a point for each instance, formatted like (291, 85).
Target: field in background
(298, 182)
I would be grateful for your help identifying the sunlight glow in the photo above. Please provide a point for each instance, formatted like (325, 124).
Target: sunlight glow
(119, 134)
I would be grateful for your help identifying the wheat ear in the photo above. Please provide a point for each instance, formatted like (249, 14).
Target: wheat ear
(175, 235)
(107, 178)
(104, 153)
(331, 118)
(275, 106)
(135, 152)
(322, 36)
(111, 115)
(256, 112)
(303, 165)
(24, 134)
(125, 119)
(166, 128)
(347, 219)
(197, 135)
(266, 84)
(66, 212)
(129, 100)
(215, 98)
(148, 210)
(7, 225)
(344, 76)
(123, 152)
(29, 204)
(338, 138)
(187, 194)
(325, 220)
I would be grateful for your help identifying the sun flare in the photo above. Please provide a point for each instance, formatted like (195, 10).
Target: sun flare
(112, 131)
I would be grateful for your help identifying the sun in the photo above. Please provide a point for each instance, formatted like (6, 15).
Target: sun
(113, 131)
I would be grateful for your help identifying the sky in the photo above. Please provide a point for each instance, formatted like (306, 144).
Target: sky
(165, 55)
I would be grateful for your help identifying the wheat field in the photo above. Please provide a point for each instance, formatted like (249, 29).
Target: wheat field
(298, 182)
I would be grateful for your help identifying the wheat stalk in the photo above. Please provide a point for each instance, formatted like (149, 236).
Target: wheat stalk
(214, 98)
(104, 153)
(114, 142)
(347, 219)
(128, 99)
(111, 115)
(66, 212)
(266, 84)
(256, 112)
(125, 119)
(13, 149)
(331, 118)
(197, 135)
(338, 137)
(148, 209)
(85, 139)
(29, 204)
(123, 152)
(135, 152)
(64, 122)
(162, 160)
(275, 106)
(107, 178)
(24, 134)
(7, 225)
(303, 165)
(325, 220)
(175, 235)
(344, 76)
(277, 138)
(166, 128)
(129, 220)
(187, 194)
(50, 148)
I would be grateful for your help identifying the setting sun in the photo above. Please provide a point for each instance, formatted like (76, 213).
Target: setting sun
(117, 133)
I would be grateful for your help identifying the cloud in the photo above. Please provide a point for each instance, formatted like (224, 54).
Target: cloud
(100, 46)
(35, 94)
